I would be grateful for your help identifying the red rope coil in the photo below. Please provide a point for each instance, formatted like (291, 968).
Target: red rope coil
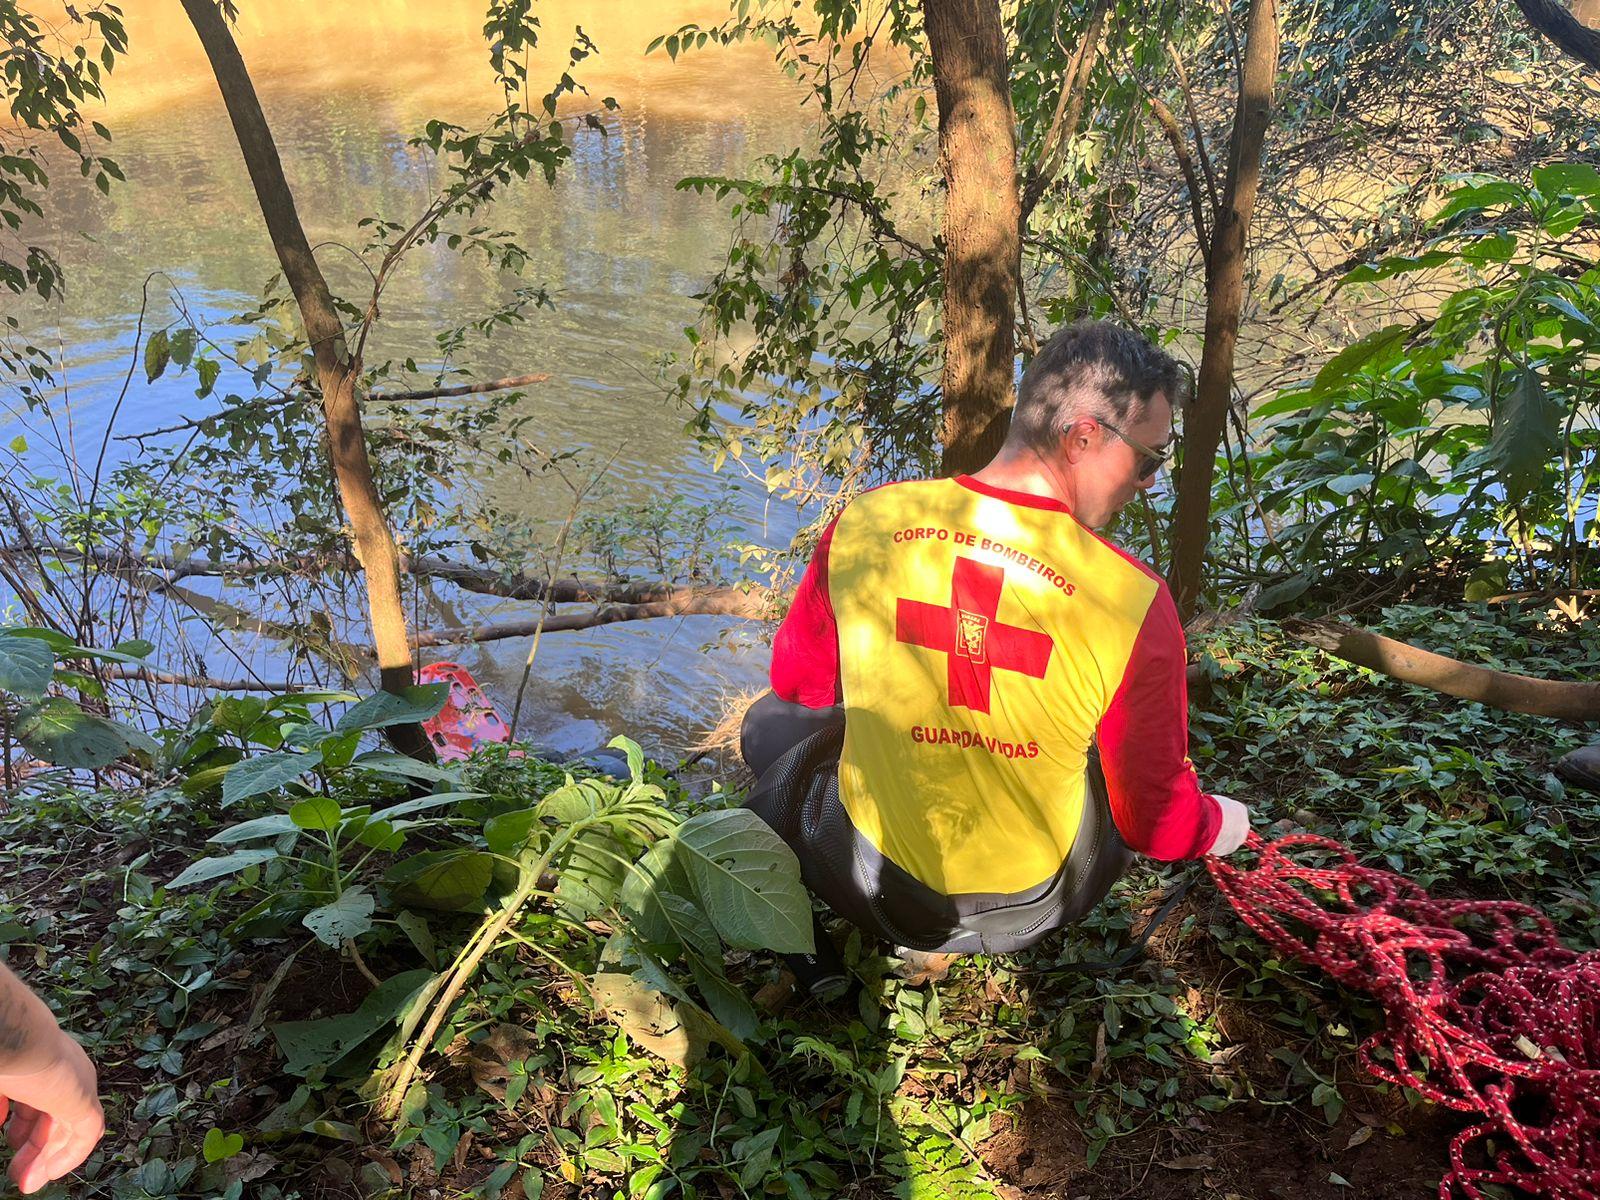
(1486, 1011)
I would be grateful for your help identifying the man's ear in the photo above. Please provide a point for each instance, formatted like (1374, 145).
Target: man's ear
(1076, 439)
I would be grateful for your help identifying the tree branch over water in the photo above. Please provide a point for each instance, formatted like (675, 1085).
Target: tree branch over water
(754, 604)
(463, 389)
(437, 393)
(204, 682)
(170, 569)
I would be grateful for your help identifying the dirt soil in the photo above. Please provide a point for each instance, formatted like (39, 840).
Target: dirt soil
(1248, 1153)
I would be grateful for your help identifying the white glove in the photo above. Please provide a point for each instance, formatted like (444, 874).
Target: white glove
(1235, 827)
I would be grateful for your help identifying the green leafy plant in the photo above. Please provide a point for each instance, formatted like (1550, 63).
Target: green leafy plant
(616, 847)
(52, 726)
(1472, 436)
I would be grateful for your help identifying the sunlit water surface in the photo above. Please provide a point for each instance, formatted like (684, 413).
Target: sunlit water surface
(344, 86)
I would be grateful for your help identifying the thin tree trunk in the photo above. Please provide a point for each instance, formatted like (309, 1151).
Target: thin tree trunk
(1225, 263)
(1068, 112)
(978, 154)
(337, 370)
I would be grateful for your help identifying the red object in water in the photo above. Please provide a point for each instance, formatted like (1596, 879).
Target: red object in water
(468, 718)
(1488, 1012)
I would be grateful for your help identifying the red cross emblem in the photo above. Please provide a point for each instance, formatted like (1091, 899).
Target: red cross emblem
(968, 631)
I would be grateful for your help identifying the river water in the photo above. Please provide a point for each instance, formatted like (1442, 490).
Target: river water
(344, 86)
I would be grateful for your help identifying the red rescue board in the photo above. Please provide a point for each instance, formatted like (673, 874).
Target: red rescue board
(468, 718)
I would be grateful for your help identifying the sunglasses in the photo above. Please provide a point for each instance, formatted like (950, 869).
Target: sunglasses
(1152, 461)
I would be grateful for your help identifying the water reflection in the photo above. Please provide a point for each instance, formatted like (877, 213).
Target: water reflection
(620, 249)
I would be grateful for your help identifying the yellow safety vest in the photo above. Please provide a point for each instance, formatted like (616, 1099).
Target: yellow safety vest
(981, 640)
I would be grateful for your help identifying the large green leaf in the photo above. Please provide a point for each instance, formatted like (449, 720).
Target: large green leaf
(508, 832)
(408, 808)
(301, 701)
(321, 813)
(27, 665)
(398, 766)
(748, 881)
(238, 715)
(54, 638)
(451, 880)
(1568, 309)
(691, 928)
(1566, 179)
(60, 732)
(386, 708)
(1343, 485)
(659, 873)
(118, 655)
(1494, 193)
(1400, 264)
(416, 928)
(590, 873)
(622, 953)
(378, 832)
(634, 754)
(727, 1003)
(215, 868)
(1379, 346)
(1282, 592)
(272, 825)
(1292, 399)
(347, 917)
(1526, 436)
(577, 800)
(266, 773)
(307, 1044)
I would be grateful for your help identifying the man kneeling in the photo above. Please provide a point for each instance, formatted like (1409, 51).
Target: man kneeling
(979, 711)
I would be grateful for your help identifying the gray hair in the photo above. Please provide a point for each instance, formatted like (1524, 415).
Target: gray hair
(1092, 369)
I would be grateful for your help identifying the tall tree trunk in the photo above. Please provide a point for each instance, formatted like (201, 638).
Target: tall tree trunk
(978, 154)
(1225, 263)
(337, 370)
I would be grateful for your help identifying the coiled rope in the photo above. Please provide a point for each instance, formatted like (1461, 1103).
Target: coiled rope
(1486, 1011)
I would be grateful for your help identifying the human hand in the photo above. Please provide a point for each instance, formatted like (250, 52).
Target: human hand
(1235, 827)
(55, 1115)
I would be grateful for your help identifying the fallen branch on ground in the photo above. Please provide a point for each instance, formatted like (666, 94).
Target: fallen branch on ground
(1562, 700)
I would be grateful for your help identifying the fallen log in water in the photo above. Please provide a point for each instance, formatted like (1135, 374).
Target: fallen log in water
(204, 682)
(728, 601)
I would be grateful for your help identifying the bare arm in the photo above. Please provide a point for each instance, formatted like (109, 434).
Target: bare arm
(27, 1027)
